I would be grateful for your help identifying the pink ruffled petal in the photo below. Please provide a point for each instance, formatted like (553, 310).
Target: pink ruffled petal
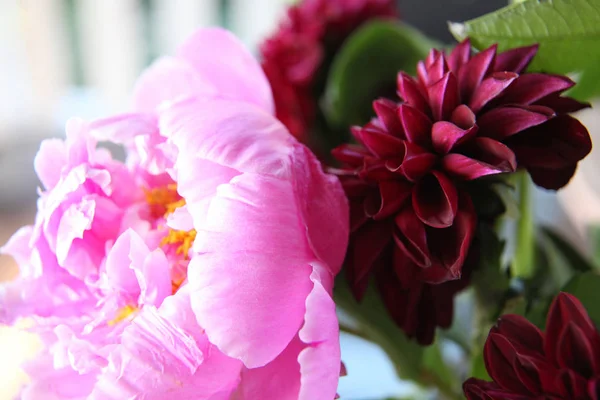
(166, 81)
(320, 360)
(233, 134)
(157, 359)
(324, 208)
(221, 59)
(242, 290)
(49, 161)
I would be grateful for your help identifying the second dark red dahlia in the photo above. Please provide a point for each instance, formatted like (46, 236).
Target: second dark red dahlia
(464, 117)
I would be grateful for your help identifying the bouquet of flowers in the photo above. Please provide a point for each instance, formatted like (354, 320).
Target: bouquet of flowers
(356, 176)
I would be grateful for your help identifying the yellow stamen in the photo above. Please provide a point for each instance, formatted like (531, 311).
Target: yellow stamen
(184, 240)
(163, 200)
(123, 314)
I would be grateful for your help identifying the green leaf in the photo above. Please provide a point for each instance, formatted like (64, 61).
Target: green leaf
(373, 323)
(567, 30)
(478, 369)
(434, 365)
(366, 67)
(523, 264)
(594, 233)
(571, 256)
(586, 287)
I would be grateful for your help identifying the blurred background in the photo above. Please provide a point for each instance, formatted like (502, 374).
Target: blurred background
(63, 58)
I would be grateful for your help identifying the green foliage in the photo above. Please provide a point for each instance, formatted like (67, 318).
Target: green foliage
(567, 30)
(366, 67)
(373, 323)
(522, 265)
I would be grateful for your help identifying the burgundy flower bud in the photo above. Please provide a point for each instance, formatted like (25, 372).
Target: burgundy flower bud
(525, 363)
(295, 54)
(464, 117)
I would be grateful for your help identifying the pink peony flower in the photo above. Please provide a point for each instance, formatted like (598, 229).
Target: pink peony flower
(212, 275)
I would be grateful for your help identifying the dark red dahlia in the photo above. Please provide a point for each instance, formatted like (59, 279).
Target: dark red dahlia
(296, 57)
(465, 116)
(525, 363)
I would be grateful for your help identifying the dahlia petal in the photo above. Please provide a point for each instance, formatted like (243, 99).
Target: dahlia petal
(450, 246)
(49, 160)
(499, 356)
(435, 200)
(405, 269)
(515, 60)
(380, 144)
(528, 371)
(564, 309)
(560, 142)
(416, 162)
(350, 154)
(436, 67)
(413, 237)
(444, 97)
(490, 157)
(561, 104)
(531, 87)
(393, 194)
(463, 117)
(325, 216)
(569, 385)
(271, 284)
(167, 80)
(417, 126)
(502, 122)
(490, 88)
(234, 73)
(552, 179)
(459, 56)
(445, 136)
(410, 92)
(575, 351)
(233, 134)
(594, 389)
(320, 360)
(473, 72)
(367, 245)
(520, 332)
(386, 111)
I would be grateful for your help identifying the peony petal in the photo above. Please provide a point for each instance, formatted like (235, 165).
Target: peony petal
(515, 60)
(320, 360)
(444, 97)
(220, 59)
(445, 136)
(168, 80)
(270, 283)
(280, 379)
(473, 72)
(325, 215)
(502, 122)
(157, 359)
(490, 88)
(435, 200)
(416, 125)
(233, 134)
(128, 251)
(49, 161)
